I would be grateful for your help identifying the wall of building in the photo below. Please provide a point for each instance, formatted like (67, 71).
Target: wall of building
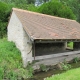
(17, 34)
(49, 48)
(76, 46)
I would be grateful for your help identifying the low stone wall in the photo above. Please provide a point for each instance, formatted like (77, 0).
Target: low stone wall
(55, 58)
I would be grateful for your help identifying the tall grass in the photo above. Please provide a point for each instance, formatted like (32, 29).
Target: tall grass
(10, 62)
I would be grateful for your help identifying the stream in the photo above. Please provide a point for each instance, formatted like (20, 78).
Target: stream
(42, 75)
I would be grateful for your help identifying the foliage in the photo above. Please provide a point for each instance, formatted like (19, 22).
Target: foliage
(30, 70)
(76, 59)
(70, 44)
(3, 29)
(4, 17)
(74, 5)
(43, 67)
(31, 7)
(56, 8)
(4, 11)
(43, 1)
(30, 1)
(65, 65)
(19, 1)
(11, 63)
(68, 75)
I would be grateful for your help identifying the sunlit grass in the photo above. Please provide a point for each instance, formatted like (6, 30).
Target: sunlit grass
(11, 62)
(9, 54)
(73, 74)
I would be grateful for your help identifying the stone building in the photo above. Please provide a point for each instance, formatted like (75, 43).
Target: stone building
(40, 36)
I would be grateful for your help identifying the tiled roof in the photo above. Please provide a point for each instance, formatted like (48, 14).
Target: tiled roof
(42, 26)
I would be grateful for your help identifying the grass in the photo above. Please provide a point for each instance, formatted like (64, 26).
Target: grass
(73, 74)
(10, 62)
(9, 54)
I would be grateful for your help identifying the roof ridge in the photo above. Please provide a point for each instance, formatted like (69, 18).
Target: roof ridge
(41, 14)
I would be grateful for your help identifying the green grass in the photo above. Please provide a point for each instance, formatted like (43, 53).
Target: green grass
(9, 54)
(10, 62)
(70, 44)
(73, 74)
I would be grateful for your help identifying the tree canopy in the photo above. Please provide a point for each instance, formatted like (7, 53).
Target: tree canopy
(56, 8)
(4, 15)
(4, 11)
(74, 5)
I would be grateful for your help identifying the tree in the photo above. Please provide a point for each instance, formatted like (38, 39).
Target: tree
(56, 8)
(4, 14)
(30, 1)
(74, 5)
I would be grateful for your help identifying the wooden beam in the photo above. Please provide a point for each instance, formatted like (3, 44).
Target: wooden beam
(57, 40)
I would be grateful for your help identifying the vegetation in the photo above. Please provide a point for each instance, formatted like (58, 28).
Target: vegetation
(68, 75)
(65, 65)
(74, 5)
(70, 44)
(56, 8)
(11, 63)
(44, 67)
(5, 10)
(76, 59)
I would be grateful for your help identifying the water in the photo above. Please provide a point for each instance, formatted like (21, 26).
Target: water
(42, 75)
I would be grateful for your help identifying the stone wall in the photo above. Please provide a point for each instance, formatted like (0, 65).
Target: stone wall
(48, 48)
(17, 34)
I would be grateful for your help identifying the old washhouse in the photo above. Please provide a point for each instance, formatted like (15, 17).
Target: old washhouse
(43, 37)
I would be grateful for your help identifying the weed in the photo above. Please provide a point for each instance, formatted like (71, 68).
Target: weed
(76, 59)
(30, 70)
(65, 65)
(43, 67)
(12, 75)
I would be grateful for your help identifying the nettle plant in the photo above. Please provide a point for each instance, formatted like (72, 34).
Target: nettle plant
(76, 59)
(65, 65)
(43, 67)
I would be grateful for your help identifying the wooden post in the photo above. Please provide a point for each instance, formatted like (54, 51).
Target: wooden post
(34, 50)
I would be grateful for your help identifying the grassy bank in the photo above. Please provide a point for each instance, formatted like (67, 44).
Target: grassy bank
(11, 63)
(73, 74)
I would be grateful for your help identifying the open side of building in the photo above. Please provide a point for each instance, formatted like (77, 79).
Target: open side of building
(43, 37)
